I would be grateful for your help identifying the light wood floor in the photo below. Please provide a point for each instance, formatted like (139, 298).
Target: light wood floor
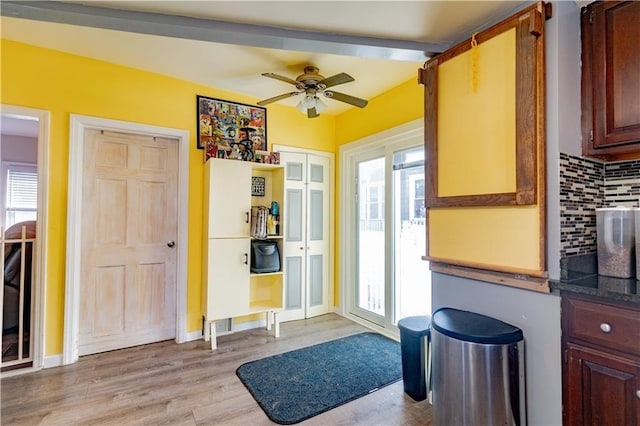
(188, 384)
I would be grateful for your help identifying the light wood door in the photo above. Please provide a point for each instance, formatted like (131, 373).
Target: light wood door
(307, 239)
(129, 227)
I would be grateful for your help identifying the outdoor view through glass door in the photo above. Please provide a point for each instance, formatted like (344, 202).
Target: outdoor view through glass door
(412, 286)
(393, 282)
(371, 246)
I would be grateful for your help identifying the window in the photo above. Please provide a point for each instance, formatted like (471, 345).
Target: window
(21, 200)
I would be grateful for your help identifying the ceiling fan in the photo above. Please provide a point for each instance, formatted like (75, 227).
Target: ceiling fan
(312, 85)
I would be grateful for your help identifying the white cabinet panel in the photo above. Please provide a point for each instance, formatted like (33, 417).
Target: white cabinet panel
(229, 198)
(228, 277)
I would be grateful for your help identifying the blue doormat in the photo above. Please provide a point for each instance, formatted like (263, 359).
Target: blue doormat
(294, 386)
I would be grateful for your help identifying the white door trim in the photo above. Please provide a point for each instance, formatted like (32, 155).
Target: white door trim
(347, 154)
(78, 125)
(332, 188)
(40, 276)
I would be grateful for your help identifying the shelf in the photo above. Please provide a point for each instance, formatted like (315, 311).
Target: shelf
(269, 237)
(263, 306)
(265, 166)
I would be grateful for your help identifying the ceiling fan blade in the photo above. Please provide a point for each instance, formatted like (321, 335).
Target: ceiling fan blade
(278, 98)
(280, 77)
(334, 80)
(312, 112)
(342, 97)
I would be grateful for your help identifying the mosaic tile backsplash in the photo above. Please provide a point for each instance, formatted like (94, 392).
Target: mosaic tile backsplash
(587, 184)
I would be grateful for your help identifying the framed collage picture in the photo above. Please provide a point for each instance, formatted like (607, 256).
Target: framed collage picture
(230, 129)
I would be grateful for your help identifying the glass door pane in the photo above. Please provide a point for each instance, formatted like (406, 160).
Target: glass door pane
(370, 288)
(412, 289)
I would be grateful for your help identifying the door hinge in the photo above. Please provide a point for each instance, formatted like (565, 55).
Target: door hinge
(591, 136)
(591, 17)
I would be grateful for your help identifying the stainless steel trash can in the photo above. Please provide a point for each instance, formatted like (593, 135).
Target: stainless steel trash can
(478, 370)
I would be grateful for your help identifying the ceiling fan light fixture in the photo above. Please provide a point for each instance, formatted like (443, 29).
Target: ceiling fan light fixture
(311, 101)
(313, 85)
(302, 105)
(320, 106)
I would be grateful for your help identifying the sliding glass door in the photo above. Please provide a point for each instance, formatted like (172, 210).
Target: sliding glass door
(370, 288)
(411, 278)
(391, 279)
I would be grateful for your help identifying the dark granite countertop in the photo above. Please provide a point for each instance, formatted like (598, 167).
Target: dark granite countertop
(607, 288)
(579, 274)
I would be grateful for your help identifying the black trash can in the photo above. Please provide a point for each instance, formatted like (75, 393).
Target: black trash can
(414, 345)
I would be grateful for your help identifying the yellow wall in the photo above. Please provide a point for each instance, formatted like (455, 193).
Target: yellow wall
(397, 106)
(66, 84)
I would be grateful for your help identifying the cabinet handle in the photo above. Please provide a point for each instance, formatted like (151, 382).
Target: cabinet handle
(246, 259)
(246, 220)
(606, 328)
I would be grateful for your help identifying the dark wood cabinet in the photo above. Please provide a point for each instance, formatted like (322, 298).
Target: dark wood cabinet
(601, 365)
(611, 80)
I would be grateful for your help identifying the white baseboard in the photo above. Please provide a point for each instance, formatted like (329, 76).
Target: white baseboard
(52, 361)
(194, 335)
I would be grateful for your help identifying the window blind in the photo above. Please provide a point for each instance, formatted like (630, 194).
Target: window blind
(22, 188)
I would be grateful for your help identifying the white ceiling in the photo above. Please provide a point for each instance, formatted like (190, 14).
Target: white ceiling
(19, 126)
(356, 37)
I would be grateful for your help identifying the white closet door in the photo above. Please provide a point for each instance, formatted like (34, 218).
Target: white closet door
(294, 256)
(306, 245)
(318, 248)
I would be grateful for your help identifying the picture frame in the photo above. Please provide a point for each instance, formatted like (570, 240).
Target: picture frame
(237, 129)
(257, 186)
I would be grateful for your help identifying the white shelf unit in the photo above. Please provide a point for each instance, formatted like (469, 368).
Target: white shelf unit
(229, 288)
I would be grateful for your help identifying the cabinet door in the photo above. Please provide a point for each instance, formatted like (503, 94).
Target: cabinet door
(228, 278)
(229, 198)
(611, 77)
(600, 389)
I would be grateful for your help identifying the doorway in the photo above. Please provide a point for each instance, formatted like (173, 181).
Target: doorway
(23, 215)
(383, 229)
(145, 270)
(129, 227)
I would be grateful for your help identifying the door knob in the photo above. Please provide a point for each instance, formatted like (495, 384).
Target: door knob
(171, 244)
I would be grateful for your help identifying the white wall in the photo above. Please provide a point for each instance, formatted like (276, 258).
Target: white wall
(537, 314)
(563, 112)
